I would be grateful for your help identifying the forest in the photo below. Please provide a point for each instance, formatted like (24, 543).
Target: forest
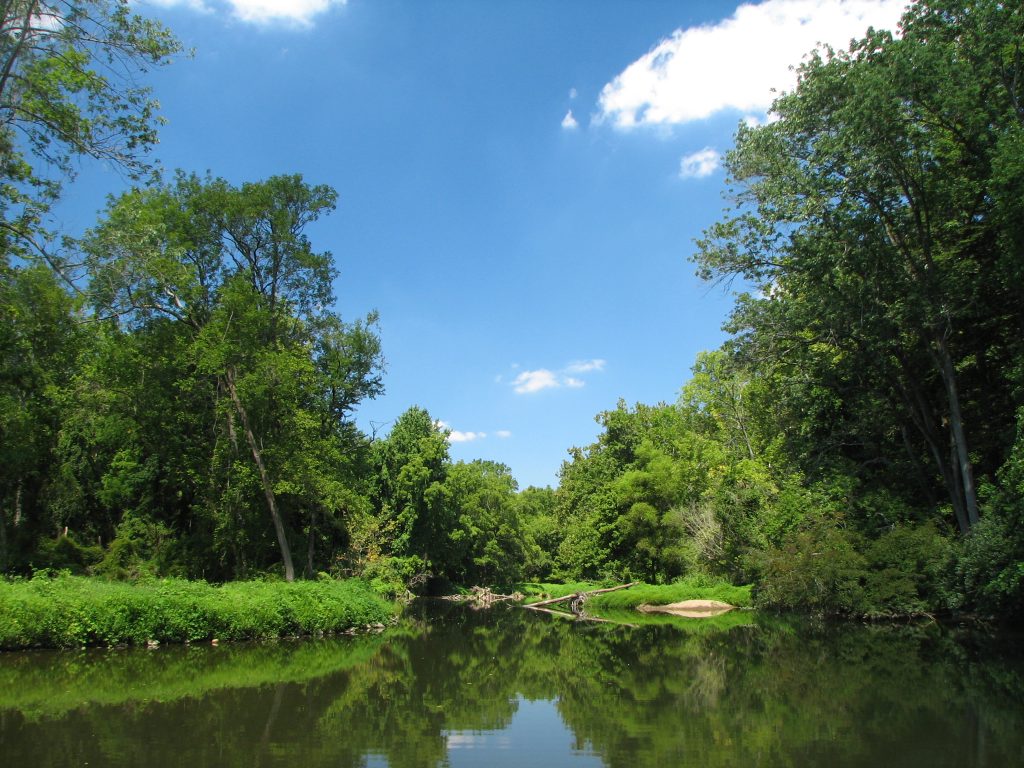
(178, 385)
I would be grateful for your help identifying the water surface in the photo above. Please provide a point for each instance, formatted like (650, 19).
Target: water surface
(453, 687)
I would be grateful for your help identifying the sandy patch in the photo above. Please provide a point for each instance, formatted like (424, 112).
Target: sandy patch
(690, 609)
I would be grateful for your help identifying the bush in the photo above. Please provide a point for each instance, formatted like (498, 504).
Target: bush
(990, 570)
(909, 571)
(69, 611)
(825, 568)
(817, 567)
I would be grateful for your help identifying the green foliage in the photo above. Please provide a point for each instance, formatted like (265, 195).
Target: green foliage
(886, 321)
(827, 568)
(817, 568)
(69, 611)
(490, 543)
(409, 470)
(990, 568)
(65, 554)
(70, 89)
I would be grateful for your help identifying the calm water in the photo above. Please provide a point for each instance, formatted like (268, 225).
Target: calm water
(513, 688)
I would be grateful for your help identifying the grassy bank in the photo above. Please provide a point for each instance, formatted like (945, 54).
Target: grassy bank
(74, 611)
(690, 588)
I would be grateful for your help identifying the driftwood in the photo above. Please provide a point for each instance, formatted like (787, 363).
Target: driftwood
(483, 597)
(577, 599)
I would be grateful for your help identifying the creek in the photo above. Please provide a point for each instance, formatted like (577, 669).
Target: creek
(450, 686)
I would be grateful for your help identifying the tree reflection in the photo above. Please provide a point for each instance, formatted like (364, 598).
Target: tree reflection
(767, 693)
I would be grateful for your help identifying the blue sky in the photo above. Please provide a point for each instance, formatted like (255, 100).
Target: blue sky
(520, 183)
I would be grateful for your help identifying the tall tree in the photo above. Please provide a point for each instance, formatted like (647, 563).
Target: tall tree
(866, 218)
(68, 88)
(234, 267)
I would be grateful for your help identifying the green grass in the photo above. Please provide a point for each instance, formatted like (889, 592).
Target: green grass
(74, 611)
(689, 588)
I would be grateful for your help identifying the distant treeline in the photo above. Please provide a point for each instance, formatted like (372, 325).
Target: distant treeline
(177, 390)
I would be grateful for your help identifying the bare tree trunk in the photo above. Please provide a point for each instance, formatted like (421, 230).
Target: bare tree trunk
(956, 426)
(927, 425)
(311, 544)
(3, 540)
(268, 488)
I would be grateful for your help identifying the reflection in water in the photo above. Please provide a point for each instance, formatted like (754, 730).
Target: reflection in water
(510, 687)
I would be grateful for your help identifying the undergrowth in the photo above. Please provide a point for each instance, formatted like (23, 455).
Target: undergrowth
(74, 611)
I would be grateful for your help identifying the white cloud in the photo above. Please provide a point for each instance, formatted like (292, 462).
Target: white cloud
(529, 382)
(736, 63)
(573, 93)
(455, 436)
(295, 12)
(569, 122)
(585, 366)
(699, 164)
(504, 434)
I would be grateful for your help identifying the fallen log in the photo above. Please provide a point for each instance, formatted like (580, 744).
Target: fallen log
(578, 598)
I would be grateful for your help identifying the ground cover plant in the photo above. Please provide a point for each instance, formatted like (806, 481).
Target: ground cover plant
(72, 611)
(694, 587)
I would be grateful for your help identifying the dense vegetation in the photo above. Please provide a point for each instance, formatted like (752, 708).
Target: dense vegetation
(177, 388)
(71, 611)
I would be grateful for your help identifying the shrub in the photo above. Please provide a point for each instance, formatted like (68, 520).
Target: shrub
(68, 611)
(817, 567)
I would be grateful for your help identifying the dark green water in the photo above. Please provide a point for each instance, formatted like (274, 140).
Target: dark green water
(514, 688)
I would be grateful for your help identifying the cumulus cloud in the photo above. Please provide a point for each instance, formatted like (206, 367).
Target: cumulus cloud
(294, 12)
(529, 382)
(458, 436)
(569, 122)
(585, 366)
(504, 434)
(699, 164)
(736, 63)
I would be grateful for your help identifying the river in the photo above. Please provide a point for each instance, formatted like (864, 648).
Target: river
(507, 687)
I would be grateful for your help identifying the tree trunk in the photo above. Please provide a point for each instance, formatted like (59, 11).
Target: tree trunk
(927, 425)
(268, 488)
(956, 426)
(3, 540)
(311, 544)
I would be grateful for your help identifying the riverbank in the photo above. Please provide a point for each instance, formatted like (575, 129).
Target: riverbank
(691, 588)
(75, 611)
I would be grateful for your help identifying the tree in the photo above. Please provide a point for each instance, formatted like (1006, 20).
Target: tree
(68, 89)
(867, 220)
(491, 544)
(233, 268)
(40, 342)
(410, 467)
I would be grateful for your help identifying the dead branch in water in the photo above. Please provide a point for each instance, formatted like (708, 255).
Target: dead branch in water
(576, 599)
